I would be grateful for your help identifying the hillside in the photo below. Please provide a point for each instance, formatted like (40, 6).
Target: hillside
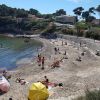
(20, 21)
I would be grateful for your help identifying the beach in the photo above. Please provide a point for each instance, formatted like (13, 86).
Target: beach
(76, 76)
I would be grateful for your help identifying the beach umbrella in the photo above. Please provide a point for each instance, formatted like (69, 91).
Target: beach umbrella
(4, 84)
(38, 91)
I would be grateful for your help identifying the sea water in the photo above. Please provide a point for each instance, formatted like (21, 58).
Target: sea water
(13, 50)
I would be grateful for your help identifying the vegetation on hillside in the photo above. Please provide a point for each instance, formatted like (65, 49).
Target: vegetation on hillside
(90, 95)
(20, 21)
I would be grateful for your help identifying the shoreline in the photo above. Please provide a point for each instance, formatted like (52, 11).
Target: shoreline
(19, 36)
(8, 35)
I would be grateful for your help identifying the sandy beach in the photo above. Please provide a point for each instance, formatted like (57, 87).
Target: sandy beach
(76, 76)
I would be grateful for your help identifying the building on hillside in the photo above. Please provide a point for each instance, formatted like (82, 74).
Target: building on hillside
(96, 22)
(65, 19)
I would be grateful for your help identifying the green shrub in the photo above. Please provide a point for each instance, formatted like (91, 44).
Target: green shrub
(80, 33)
(92, 35)
(68, 31)
(88, 34)
(90, 95)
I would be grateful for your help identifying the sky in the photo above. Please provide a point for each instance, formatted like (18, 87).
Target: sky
(50, 6)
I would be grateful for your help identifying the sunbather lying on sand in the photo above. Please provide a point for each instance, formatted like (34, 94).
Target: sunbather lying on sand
(56, 63)
(47, 83)
(79, 58)
(21, 81)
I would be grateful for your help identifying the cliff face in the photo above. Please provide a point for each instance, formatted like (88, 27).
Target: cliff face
(13, 25)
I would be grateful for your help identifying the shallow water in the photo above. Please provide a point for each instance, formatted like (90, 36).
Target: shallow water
(13, 50)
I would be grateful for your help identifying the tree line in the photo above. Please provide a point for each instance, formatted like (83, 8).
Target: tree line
(9, 19)
(88, 14)
(9, 23)
(79, 11)
(14, 12)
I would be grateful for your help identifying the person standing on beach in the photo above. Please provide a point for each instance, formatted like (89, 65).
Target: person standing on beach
(65, 43)
(39, 59)
(55, 49)
(42, 60)
(58, 50)
(80, 44)
(41, 47)
(62, 42)
(65, 52)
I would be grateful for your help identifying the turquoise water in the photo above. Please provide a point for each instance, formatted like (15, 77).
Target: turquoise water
(15, 49)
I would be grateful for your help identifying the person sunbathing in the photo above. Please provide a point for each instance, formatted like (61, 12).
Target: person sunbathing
(21, 81)
(79, 58)
(45, 81)
(18, 80)
(56, 63)
(48, 84)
